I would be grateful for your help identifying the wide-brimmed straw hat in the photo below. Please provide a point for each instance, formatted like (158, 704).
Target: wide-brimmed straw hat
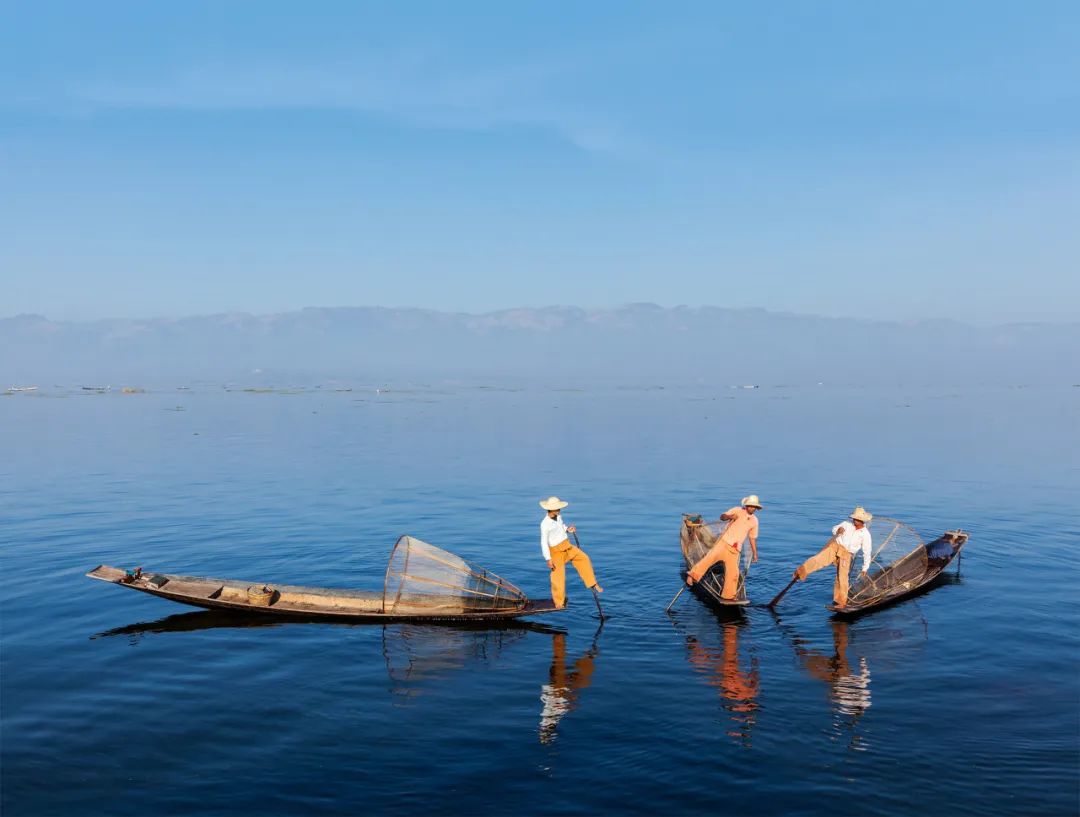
(751, 500)
(860, 515)
(553, 503)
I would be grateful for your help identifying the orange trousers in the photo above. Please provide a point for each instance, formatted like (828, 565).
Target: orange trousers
(832, 553)
(720, 552)
(560, 555)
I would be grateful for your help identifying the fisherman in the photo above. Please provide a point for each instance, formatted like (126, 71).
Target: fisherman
(741, 523)
(849, 537)
(557, 551)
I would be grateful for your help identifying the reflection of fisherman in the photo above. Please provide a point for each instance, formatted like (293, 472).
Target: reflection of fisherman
(848, 539)
(741, 523)
(557, 551)
(849, 687)
(560, 695)
(738, 689)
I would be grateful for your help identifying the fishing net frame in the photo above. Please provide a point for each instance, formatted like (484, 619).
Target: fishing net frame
(697, 538)
(898, 564)
(422, 578)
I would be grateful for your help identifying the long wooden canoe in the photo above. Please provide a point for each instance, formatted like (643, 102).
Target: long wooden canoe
(903, 578)
(422, 583)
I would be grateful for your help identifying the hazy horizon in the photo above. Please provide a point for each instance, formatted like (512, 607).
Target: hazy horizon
(853, 315)
(844, 159)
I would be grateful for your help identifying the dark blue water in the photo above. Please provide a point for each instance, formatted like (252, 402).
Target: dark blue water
(964, 701)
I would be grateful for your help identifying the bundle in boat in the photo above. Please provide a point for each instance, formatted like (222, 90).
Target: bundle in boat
(901, 564)
(422, 579)
(696, 539)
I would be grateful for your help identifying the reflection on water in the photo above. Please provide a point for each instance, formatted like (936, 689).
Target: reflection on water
(715, 654)
(845, 666)
(416, 654)
(190, 622)
(847, 676)
(559, 695)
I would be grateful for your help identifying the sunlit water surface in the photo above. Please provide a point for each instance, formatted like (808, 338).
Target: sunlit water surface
(963, 701)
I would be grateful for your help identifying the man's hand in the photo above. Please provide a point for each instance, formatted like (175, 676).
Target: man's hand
(571, 528)
(862, 573)
(551, 565)
(754, 559)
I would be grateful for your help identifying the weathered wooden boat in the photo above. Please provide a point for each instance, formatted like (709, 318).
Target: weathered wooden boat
(696, 539)
(898, 572)
(422, 583)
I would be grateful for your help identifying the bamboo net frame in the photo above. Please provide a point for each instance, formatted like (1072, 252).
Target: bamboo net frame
(898, 563)
(423, 578)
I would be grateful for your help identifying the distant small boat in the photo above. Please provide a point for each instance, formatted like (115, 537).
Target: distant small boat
(422, 582)
(696, 539)
(96, 388)
(22, 388)
(903, 577)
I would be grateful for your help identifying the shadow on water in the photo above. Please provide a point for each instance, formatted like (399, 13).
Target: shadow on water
(714, 653)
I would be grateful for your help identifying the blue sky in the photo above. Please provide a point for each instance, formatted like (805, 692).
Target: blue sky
(901, 161)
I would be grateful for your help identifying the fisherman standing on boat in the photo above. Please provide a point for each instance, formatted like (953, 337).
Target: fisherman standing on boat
(742, 523)
(849, 538)
(557, 550)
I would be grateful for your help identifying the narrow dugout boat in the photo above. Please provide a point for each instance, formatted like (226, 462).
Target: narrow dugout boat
(902, 567)
(422, 583)
(696, 539)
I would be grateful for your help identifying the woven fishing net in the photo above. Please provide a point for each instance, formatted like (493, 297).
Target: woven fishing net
(424, 579)
(899, 563)
(697, 539)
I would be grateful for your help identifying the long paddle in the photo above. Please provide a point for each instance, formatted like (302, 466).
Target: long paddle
(780, 595)
(672, 602)
(595, 595)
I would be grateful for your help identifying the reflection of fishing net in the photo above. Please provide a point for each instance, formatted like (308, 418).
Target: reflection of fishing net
(419, 657)
(424, 579)
(697, 539)
(899, 563)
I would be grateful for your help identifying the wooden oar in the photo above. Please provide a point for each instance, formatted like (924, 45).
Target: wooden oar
(780, 595)
(672, 602)
(595, 595)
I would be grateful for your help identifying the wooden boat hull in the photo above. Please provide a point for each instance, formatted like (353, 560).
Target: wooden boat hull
(710, 587)
(290, 601)
(940, 553)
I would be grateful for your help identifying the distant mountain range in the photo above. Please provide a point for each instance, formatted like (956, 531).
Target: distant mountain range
(637, 343)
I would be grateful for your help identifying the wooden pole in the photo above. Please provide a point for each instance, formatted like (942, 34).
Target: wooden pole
(672, 602)
(780, 595)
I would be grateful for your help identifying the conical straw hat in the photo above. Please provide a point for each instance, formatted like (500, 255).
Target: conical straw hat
(553, 503)
(861, 515)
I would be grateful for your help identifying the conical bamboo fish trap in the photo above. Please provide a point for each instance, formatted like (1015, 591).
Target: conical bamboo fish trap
(424, 579)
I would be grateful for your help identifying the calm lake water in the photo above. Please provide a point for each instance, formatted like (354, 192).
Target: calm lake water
(964, 701)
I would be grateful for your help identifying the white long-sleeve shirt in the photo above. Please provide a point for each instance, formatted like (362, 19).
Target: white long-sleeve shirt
(853, 540)
(552, 532)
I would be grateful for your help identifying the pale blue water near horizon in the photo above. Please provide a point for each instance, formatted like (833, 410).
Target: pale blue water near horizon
(964, 701)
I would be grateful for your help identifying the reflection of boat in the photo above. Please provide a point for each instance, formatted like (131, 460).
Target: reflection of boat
(696, 539)
(420, 655)
(738, 688)
(901, 573)
(422, 582)
(560, 695)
